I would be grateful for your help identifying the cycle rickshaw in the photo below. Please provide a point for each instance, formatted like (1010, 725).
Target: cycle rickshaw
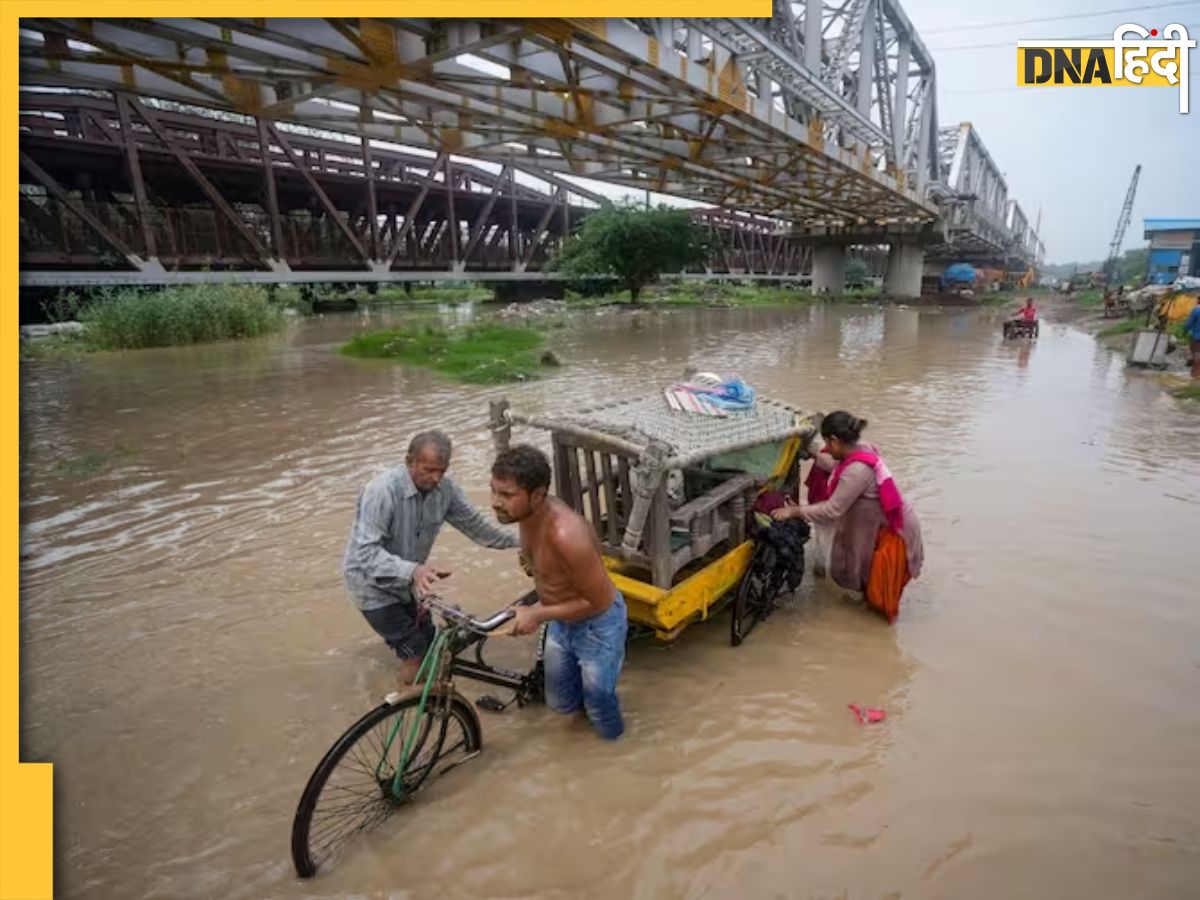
(671, 496)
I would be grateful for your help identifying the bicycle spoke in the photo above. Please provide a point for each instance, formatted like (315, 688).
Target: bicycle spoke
(362, 783)
(320, 848)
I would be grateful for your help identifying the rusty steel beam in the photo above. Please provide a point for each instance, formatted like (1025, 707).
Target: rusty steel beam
(205, 185)
(129, 141)
(536, 240)
(481, 219)
(48, 182)
(413, 209)
(372, 203)
(334, 214)
(451, 217)
(264, 152)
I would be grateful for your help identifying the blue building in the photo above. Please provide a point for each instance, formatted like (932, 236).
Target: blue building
(1174, 248)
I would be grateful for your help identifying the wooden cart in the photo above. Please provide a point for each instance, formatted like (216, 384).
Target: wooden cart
(670, 493)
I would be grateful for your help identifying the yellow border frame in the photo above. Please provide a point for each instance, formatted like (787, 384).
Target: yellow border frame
(26, 789)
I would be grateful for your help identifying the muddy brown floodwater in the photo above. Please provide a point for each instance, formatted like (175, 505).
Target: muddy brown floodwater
(188, 651)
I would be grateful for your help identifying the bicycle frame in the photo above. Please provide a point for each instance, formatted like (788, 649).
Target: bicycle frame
(460, 633)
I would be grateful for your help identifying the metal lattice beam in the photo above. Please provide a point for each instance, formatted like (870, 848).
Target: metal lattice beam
(722, 111)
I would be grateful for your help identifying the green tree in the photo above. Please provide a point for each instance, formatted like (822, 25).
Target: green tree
(1132, 265)
(633, 244)
(856, 273)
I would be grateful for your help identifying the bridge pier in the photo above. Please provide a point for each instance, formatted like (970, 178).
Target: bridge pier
(829, 269)
(905, 265)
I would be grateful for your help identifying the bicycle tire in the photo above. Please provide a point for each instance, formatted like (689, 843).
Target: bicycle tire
(755, 597)
(310, 849)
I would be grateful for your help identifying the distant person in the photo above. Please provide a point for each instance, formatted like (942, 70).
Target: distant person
(398, 518)
(585, 641)
(1191, 327)
(876, 545)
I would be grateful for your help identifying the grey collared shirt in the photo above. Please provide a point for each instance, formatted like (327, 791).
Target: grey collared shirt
(394, 530)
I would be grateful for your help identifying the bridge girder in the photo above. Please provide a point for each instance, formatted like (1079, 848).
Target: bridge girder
(823, 116)
(693, 115)
(982, 222)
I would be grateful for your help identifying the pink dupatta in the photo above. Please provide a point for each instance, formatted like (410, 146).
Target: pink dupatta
(889, 495)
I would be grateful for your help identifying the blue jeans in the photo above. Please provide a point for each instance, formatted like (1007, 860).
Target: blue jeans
(583, 660)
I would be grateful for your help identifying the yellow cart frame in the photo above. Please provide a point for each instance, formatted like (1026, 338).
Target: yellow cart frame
(669, 493)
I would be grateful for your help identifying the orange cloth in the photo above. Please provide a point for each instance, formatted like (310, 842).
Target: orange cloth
(889, 573)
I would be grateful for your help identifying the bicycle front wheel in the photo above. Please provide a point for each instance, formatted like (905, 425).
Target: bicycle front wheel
(352, 790)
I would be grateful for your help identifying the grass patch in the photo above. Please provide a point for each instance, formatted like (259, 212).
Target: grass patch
(1187, 392)
(132, 319)
(477, 354)
(1127, 327)
(715, 294)
(853, 296)
(467, 293)
(1092, 297)
(1137, 323)
(94, 462)
(54, 347)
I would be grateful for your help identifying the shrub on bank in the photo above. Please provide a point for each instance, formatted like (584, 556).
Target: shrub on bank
(478, 354)
(130, 319)
(705, 294)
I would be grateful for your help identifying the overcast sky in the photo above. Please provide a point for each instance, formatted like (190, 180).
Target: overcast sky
(1071, 149)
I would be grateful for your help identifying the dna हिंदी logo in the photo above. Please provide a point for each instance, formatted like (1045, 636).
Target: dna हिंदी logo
(1134, 57)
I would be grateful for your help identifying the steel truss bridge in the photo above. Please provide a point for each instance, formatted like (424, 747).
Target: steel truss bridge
(389, 149)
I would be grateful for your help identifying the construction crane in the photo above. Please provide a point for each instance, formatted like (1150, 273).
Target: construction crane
(1110, 264)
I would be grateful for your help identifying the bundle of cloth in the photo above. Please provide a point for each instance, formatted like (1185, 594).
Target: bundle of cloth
(787, 538)
(710, 394)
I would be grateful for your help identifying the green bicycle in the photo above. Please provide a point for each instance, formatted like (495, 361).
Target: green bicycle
(384, 759)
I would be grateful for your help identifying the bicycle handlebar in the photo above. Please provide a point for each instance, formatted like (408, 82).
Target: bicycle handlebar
(483, 626)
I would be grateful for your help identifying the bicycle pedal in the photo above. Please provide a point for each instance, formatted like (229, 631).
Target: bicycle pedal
(490, 704)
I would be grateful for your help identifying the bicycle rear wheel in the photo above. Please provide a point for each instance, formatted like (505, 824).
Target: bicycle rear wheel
(756, 593)
(352, 788)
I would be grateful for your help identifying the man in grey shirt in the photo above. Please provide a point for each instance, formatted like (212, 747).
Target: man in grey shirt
(399, 515)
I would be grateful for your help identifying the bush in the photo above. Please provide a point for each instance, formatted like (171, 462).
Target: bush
(129, 319)
(478, 354)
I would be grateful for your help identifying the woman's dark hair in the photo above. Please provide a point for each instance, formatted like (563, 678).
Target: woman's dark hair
(843, 426)
(525, 465)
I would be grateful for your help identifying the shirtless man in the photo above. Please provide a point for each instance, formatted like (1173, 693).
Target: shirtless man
(585, 641)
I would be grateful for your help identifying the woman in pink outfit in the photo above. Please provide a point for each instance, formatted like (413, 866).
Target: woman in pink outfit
(855, 509)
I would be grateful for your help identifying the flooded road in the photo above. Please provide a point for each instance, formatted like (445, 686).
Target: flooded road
(188, 651)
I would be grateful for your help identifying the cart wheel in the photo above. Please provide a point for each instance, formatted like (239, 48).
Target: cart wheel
(756, 593)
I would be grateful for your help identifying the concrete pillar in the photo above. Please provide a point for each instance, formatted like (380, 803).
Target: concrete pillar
(905, 264)
(829, 270)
